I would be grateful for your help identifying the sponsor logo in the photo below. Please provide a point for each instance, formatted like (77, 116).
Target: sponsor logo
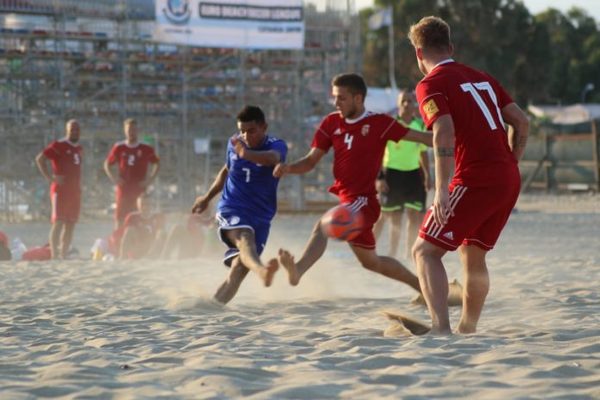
(234, 220)
(365, 130)
(449, 235)
(338, 131)
(178, 12)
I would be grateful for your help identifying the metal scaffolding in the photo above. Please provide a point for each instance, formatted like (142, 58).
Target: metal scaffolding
(95, 61)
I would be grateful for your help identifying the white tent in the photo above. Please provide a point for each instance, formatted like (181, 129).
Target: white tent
(573, 114)
(381, 100)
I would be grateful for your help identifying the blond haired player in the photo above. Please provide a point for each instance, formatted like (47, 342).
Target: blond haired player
(468, 111)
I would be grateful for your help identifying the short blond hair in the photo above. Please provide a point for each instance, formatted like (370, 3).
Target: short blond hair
(71, 121)
(430, 33)
(129, 121)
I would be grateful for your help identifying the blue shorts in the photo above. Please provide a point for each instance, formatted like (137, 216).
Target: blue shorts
(228, 221)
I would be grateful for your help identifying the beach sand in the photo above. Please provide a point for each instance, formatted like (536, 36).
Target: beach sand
(148, 329)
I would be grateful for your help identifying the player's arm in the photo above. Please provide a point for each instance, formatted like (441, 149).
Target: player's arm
(42, 163)
(301, 166)
(109, 170)
(421, 137)
(202, 202)
(443, 148)
(154, 168)
(517, 136)
(264, 157)
(424, 164)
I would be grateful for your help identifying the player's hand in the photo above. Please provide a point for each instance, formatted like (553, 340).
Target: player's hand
(238, 146)
(58, 179)
(200, 205)
(381, 186)
(280, 170)
(145, 183)
(427, 183)
(441, 209)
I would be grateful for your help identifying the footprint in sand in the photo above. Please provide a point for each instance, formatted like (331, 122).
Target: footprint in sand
(455, 290)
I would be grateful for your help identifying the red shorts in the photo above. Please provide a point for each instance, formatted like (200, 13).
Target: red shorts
(480, 214)
(370, 209)
(126, 200)
(40, 253)
(66, 203)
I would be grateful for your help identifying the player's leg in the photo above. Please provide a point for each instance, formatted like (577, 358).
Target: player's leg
(476, 286)
(414, 219)
(155, 249)
(54, 238)
(378, 227)
(129, 246)
(66, 238)
(229, 288)
(245, 242)
(317, 243)
(434, 283)
(126, 202)
(172, 242)
(386, 266)
(414, 200)
(395, 231)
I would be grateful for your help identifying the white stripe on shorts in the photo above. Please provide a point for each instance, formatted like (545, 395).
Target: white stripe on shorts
(357, 204)
(435, 229)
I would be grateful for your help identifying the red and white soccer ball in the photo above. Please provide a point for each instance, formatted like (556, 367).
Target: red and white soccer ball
(341, 223)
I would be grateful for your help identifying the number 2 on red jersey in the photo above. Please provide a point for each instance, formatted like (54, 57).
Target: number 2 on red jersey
(474, 90)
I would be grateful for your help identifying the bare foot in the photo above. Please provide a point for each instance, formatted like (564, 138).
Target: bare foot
(269, 271)
(466, 329)
(287, 260)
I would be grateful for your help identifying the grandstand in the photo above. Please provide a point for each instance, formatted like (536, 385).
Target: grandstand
(96, 61)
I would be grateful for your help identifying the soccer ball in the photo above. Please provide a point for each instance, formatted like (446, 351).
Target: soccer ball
(341, 223)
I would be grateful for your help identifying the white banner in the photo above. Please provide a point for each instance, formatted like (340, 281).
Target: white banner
(248, 24)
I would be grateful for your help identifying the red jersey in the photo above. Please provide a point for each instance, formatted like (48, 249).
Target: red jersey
(358, 147)
(148, 229)
(133, 160)
(474, 99)
(65, 158)
(150, 225)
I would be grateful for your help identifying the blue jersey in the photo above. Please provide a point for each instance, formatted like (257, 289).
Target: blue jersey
(251, 188)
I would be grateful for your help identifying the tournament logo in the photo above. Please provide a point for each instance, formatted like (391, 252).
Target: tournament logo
(365, 130)
(178, 11)
(430, 108)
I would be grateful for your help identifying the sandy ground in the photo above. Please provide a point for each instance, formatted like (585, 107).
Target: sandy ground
(148, 329)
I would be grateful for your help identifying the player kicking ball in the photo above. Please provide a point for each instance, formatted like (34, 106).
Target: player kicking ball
(248, 200)
(357, 138)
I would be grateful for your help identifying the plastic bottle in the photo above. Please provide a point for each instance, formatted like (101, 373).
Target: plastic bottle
(17, 248)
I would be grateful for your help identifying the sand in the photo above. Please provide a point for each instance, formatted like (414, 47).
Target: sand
(148, 329)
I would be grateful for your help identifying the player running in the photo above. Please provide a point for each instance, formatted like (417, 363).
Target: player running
(248, 201)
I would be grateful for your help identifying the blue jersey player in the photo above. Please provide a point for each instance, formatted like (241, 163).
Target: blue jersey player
(248, 200)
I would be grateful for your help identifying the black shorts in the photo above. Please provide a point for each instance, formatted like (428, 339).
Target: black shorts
(406, 190)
